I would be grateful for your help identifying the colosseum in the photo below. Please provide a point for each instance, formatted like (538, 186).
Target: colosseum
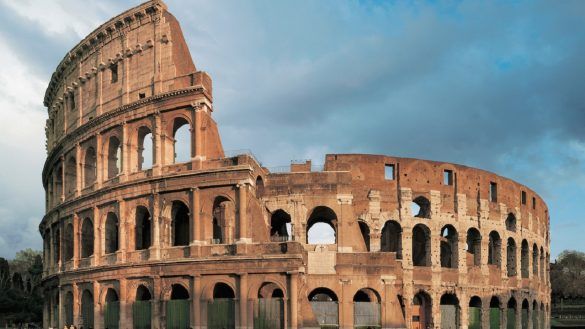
(144, 229)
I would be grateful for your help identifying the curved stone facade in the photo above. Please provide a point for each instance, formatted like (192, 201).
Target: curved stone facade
(136, 236)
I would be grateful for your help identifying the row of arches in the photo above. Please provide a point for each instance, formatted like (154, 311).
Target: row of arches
(110, 156)
(142, 230)
(269, 308)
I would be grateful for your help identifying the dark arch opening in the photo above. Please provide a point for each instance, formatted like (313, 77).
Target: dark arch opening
(366, 295)
(421, 245)
(279, 226)
(70, 177)
(475, 301)
(223, 291)
(142, 293)
(511, 222)
(535, 260)
(144, 149)
(474, 246)
(421, 207)
(142, 233)
(114, 157)
(449, 245)
(524, 255)
(325, 233)
(495, 302)
(422, 310)
(111, 296)
(180, 223)
(259, 187)
(181, 141)
(87, 309)
(86, 238)
(511, 257)
(223, 218)
(68, 306)
(391, 240)
(89, 167)
(495, 249)
(277, 293)
(365, 230)
(322, 295)
(68, 242)
(111, 234)
(179, 292)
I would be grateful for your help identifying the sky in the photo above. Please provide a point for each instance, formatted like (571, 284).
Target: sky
(498, 85)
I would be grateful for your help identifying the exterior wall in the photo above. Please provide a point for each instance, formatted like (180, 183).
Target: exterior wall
(232, 203)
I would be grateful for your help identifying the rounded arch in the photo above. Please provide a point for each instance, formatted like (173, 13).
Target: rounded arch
(270, 290)
(322, 294)
(223, 219)
(474, 245)
(178, 291)
(495, 249)
(512, 303)
(68, 308)
(324, 233)
(114, 156)
(222, 290)
(524, 256)
(68, 242)
(367, 295)
(89, 167)
(495, 302)
(142, 228)
(111, 296)
(449, 247)
(365, 231)
(449, 298)
(391, 239)
(280, 226)
(87, 308)
(421, 245)
(143, 293)
(181, 132)
(180, 223)
(511, 222)
(421, 207)
(475, 301)
(144, 148)
(259, 187)
(422, 309)
(111, 233)
(535, 258)
(86, 237)
(70, 177)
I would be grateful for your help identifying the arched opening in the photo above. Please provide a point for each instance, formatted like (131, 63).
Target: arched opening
(542, 265)
(114, 160)
(144, 149)
(221, 311)
(542, 312)
(68, 309)
(259, 187)
(90, 167)
(365, 230)
(391, 240)
(474, 313)
(280, 226)
(322, 226)
(58, 185)
(269, 308)
(180, 223)
(421, 311)
(87, 309)
(535, 260)
(111, 233)
(473, 247)
(86, 238)
(495, 312)
(495, 249)
(68, 242)
(181, 141)
(421, 207)
(70, 177)
(56, 247)
(143, 229)
(535, 316)
(511, 222)
(511, 314)
(142, 308)
(421, 245)
(511, 257)
(525, 313)
(366, 309)
(524, 254)
(449, 311)
(325, 307)
(224, 219)
(449, 251)
(178, 308)
(112, 310)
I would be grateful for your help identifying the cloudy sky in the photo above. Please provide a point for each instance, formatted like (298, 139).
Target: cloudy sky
(495, 85)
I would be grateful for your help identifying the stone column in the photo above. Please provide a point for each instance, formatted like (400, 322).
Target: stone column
(485, 313)
(126, 148)
(375, 241)
(155, 248)
(63, 187)
(464, 309)
(462, 253)
(76, 305)
(157, 302)
(485, 242)
(98, 319)
(125, 305)
(50, 263)
(97, 237)
(196, 306)
(243, 213)
(436, 310)
(195, 216)
(78, 170)
(345, 305)
(156, 145)
(243, 296)
(293, 300)
(99, 161)
(197, 123)
(123, 233)
(76, 241)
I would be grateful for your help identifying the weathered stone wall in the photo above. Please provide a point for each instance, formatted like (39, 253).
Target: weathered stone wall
(212, 227)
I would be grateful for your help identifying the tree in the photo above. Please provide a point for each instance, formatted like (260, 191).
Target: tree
(4, 274)
(567, 275)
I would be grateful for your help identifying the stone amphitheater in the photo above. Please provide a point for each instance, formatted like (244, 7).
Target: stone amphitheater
(144, 229)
